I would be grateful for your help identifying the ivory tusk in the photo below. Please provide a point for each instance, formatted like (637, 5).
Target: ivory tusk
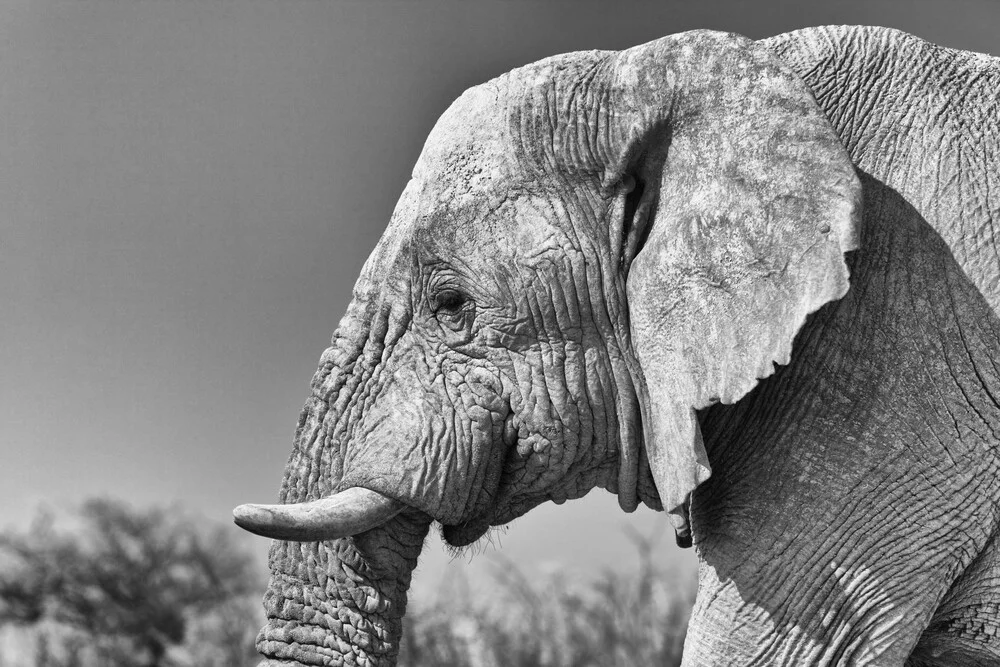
(349, 512)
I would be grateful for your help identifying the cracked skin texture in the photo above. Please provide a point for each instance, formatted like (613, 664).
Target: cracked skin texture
(851, 513)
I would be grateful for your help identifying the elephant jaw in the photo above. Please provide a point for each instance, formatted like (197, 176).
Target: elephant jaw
(350, 512)
(464, 534)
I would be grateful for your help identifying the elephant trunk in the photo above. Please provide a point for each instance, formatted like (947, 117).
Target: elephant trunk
(341, 602)
(336, 601)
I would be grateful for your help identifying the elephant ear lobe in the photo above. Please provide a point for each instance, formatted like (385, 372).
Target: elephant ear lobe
(755, 204)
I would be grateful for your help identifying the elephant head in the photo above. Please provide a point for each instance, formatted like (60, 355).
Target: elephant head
(590, 249)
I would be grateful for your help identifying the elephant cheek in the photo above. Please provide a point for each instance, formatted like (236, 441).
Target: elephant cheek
(440, 456)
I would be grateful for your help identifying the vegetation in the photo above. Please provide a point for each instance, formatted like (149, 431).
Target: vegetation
(120, 587)
(124, 587)
(614, 620)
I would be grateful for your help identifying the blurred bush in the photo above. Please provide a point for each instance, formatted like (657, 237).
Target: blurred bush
(115, 586)
(621, 618)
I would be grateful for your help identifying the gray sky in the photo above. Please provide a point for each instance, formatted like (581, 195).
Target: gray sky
(188, 190)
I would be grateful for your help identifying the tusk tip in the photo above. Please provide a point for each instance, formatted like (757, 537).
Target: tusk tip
(251, 517)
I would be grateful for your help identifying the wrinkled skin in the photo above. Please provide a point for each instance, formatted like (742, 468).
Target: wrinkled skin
(872, 532)
(598, 257)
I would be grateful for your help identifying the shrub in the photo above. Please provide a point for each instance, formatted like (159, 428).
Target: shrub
(557, 620)
(132, 588)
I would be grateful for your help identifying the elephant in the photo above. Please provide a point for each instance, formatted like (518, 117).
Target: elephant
(752, 284)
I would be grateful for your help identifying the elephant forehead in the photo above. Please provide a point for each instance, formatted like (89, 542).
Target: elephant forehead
(514, 225)
(467, 152)
(428, 224)
(471, 188)
(519, 124)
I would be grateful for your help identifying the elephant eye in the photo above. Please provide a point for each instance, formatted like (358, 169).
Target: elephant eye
(453, 309)
(448, 301)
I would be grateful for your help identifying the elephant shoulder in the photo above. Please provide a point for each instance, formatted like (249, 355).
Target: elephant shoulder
(921, 119)
(875, 50)
(872, 80)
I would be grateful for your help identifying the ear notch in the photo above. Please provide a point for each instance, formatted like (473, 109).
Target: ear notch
(743, 205)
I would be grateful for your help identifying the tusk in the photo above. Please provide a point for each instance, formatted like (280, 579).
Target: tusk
(349, 512)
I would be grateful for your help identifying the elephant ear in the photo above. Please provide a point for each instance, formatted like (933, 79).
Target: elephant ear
(745, 204)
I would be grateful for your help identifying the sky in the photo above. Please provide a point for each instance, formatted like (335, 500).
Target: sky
(189, 189)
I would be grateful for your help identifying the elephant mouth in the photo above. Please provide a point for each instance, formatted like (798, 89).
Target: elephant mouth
(367, 501)
(464, 534)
